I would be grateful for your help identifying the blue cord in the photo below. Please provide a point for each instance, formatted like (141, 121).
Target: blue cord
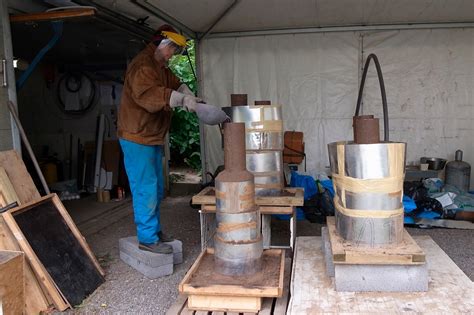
(58, 30)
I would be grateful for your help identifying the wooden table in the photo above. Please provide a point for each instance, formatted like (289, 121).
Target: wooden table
(285, 203)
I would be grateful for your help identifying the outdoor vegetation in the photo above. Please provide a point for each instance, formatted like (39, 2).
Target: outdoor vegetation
(184, 132)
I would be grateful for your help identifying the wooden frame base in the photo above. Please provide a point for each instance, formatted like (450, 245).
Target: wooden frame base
(344, 252)
(241, 304)
(209, 291)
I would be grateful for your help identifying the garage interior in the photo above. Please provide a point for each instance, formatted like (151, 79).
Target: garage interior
(300, 66)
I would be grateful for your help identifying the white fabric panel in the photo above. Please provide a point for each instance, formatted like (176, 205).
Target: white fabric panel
(429, 78)
(313, 76)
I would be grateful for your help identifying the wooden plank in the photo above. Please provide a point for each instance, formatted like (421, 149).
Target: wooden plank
(12, 284)
(47, 282)
(344, 252)
(314, 291)
(207, 197)
(204, 197)
(267, 306)
(178, 305)
(37, 300)
(263, 209)
(224, 303)
(241, 289)
(281, 304)
(7, 192)
(52, 16)
(19, 176)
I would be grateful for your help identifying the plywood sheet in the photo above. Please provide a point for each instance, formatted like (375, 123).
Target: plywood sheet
(19, 176)
(312, 291)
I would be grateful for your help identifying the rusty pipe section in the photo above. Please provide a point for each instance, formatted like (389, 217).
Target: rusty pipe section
(238, 240)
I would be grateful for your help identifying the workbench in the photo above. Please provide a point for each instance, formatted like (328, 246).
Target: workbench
(284, 203)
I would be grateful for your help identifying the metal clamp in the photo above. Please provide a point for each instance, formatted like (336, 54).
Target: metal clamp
(3, 70)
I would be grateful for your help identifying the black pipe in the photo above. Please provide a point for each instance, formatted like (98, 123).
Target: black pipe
(382, 91)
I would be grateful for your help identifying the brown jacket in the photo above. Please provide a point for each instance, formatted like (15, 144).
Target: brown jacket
(145, 114)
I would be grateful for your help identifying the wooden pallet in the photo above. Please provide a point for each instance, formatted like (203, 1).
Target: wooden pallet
(344, 252)
(276, 306)
(208, 290)
(288, 197)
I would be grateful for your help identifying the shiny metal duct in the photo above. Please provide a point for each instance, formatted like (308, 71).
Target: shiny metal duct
(368, 182)
(238, 241)
(264, 144)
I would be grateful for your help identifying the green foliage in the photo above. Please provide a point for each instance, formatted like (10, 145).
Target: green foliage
(184, 131)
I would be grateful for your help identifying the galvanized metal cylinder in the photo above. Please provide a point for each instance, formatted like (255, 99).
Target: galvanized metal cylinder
(264, 144)
(238, 241)
(458, 172)
(368, 182)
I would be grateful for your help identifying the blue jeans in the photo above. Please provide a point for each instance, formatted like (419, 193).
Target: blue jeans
(145, 174)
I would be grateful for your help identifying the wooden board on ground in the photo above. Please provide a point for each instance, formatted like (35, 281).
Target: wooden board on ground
(269, 306)
(288, 197)
(12, 284)
(19, 176)
(344, 252)
(45, 231)
(201, 279)
(312, 291)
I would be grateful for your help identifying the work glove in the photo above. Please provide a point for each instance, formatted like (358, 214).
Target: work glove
(183, 88)
(187, 102)
(211, 115)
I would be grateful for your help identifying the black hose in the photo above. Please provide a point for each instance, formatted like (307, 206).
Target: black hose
(382, 91)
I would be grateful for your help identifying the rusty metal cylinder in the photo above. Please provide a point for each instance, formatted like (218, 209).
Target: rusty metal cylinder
(238, 100)
(366, 129)
(238, 240)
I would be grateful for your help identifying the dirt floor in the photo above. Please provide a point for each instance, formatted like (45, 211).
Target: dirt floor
(126, 291)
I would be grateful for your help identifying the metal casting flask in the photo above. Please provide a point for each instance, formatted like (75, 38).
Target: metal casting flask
(458, 172)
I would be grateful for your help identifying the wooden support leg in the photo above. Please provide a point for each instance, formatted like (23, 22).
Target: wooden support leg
(293, 228)
(267, 230)
(208, 228)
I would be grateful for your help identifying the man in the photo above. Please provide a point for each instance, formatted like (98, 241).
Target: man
(149, 94)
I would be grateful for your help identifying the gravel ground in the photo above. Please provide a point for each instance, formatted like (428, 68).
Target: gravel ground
(126, 291)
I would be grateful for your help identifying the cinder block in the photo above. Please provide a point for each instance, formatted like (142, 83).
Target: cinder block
(146, 270)
(177, 251)
(384, 278)
(327, 251)
(129, 246)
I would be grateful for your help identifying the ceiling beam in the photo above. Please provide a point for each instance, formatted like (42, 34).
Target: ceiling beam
(354, 28)
(157, 12)
(53, 15)
(223, 14)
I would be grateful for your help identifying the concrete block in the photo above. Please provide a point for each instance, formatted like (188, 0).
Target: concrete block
(177, 251)
(383, 278)
(129, 246)
(327, 251)
(146, 270)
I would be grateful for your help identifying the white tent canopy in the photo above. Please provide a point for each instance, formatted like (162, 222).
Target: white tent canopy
(307, 56)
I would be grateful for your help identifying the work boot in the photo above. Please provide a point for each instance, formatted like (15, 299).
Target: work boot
(158, 248)
(164, 237)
